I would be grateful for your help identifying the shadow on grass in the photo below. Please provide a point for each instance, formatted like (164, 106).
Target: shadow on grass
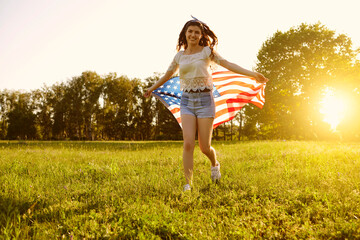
(12, 220)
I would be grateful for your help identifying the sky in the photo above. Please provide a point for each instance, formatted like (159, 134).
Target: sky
(43, 42)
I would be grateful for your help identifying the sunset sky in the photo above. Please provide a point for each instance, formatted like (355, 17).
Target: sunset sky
(49, 41)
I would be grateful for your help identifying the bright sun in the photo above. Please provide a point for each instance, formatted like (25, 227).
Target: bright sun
(333, 107)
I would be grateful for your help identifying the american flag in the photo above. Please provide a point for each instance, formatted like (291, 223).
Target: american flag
(231, 92)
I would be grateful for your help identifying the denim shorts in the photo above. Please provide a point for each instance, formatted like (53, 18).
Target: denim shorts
(198, 104)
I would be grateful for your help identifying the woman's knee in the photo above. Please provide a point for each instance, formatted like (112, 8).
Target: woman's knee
(206, 150)
(189, 145)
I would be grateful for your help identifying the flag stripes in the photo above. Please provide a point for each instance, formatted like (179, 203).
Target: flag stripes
(231, 92)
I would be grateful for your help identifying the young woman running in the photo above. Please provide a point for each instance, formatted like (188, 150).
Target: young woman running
(197, 109)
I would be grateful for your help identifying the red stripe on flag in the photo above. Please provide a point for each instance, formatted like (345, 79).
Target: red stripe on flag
(175, 110)
(238, 92)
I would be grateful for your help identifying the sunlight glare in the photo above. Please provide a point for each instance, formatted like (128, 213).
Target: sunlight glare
(333, 107)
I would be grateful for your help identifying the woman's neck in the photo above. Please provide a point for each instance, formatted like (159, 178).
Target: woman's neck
(191, 49)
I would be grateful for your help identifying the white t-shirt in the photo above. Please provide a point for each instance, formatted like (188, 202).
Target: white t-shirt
(195, 69)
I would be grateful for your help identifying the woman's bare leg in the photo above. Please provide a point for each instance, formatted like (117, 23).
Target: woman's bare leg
(188, 123)
(204, 136)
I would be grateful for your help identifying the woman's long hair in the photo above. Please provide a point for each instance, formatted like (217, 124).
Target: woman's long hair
(208, 37)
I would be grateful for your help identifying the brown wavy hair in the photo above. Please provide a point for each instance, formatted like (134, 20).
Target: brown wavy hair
(208, 37)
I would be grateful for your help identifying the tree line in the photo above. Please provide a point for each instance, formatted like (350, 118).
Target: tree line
(301, 64)
(87, 107)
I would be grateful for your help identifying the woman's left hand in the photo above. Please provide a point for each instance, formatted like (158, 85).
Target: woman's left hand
(260, 78)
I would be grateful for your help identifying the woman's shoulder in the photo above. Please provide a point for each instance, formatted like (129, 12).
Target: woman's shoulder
(207, 50)
(178, 55)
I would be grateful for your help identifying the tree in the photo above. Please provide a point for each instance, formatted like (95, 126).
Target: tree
(145, 112)
(6, 102)
(120, 103)
(76, 109)
(43, 110)
(59, 107)
(300, 63)
(22, 119)
(92, 88)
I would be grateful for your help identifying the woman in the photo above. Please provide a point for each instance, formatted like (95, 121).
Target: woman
(197, 108)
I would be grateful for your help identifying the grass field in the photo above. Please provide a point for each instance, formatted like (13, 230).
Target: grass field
(133, 190)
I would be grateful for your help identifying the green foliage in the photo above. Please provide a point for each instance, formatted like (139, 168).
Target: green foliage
(133, 190)
(120, 101)
(44, 122)
(21, 115)
(301, 63)
(87, 107)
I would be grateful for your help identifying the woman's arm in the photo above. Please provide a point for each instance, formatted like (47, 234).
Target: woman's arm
(160, 82)
(237, 69)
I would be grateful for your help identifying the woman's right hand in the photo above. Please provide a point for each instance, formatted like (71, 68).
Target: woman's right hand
(147, 93)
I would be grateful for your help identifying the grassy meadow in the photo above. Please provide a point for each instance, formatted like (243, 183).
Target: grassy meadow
(133, 190)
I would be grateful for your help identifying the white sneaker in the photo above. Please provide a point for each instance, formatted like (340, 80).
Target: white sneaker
(187, 187)
(215, 172)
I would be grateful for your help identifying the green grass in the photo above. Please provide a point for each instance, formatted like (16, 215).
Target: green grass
(133, 190)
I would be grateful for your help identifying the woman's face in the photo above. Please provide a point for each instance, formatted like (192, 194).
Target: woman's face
(193, 35)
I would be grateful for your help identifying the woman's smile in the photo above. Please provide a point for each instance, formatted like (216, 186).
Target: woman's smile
(193, 34)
